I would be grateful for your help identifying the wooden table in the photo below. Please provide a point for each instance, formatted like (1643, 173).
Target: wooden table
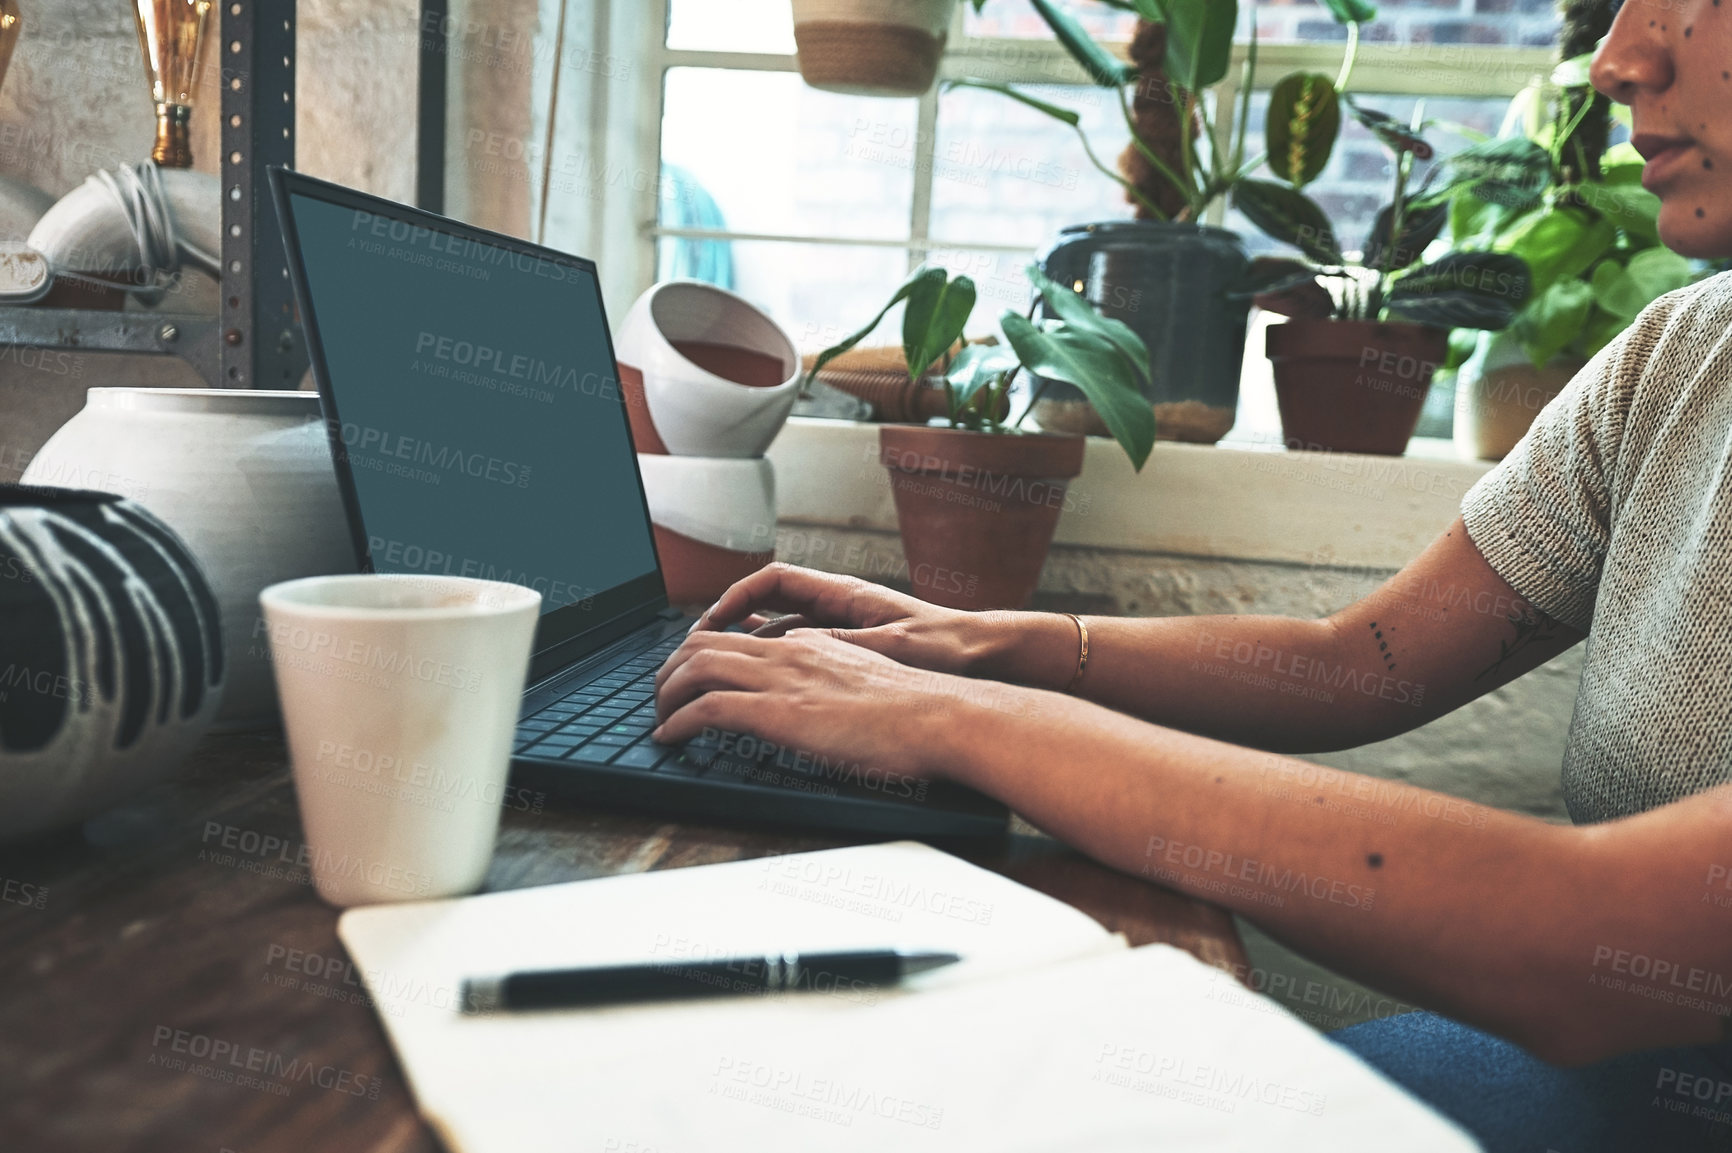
(173, 918)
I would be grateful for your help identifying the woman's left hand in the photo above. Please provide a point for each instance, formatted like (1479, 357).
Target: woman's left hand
(810, 693)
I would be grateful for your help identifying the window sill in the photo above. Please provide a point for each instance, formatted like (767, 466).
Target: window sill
(1221, 502)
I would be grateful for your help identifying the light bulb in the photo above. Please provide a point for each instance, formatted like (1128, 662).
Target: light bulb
(172, 34)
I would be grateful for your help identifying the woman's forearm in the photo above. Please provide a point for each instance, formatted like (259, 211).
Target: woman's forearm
(1485, 915)
(1270, 682)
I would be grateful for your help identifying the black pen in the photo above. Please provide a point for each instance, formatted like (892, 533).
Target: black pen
(770, 973)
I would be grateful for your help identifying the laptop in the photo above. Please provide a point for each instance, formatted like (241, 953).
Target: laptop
(477, 428)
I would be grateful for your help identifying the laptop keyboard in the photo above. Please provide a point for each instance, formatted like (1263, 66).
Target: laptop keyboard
(609, 720)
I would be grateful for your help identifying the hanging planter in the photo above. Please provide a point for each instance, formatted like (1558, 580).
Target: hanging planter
(871, 47)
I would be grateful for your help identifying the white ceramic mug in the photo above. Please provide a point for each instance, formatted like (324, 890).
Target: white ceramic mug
(697, 412)
(400, 696)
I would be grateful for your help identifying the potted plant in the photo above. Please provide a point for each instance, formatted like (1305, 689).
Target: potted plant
(977, 498)
(1364, 336)
(872, 47)
(1165, 273)
(1549, 191)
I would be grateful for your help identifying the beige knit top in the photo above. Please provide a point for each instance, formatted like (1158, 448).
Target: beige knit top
(1614, 515)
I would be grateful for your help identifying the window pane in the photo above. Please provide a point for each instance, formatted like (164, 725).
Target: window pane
(1505, 22)
(818, 292)
(731, 25)
(1004, 173)
(761, 152)
(1502, 22)
(1018, 19)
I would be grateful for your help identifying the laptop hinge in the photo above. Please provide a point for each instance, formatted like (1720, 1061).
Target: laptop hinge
(574, 649)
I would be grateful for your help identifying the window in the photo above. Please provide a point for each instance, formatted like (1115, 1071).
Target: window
(815, 205)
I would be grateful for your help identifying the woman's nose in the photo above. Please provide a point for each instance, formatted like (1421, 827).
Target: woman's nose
(1636, 54)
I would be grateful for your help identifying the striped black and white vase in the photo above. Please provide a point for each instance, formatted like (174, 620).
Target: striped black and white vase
(111, 656)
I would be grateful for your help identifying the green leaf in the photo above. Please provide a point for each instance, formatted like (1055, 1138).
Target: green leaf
(1102, 67)
(1420, 225)
(1557, 242)
(1470, 219)
(1630, 207)
(1075, 310)
(1395, 135)
(976, 366)
(918, 276)
(1199, 41)
(1553, 320)
(1651, 274)
(1303, 120)
(937, 310)
(1289, 216)
(1063, 115)
(1462, 290)
(1573, 73)
(1271, 274)
(1351, 11)
(1096, 367)
(1511, 172)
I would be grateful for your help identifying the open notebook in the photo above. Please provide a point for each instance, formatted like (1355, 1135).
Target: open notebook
(1050, 1034)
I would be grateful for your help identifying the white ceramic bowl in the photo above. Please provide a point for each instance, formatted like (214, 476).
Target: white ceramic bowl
(726, 502)
(696, 412)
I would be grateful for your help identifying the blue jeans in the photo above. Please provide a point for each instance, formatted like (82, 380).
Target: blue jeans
(1670, 1100)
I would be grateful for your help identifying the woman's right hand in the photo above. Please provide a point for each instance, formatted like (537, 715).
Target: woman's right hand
(901, 627)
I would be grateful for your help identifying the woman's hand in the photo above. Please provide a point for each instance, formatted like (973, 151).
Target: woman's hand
(903, 628)
(809, 692)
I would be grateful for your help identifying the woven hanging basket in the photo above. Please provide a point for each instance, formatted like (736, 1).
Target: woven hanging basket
(871, 47)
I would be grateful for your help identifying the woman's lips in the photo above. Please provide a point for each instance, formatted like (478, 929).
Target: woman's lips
(1664, 156)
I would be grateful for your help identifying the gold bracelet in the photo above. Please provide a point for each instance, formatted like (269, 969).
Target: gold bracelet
(1082, 656)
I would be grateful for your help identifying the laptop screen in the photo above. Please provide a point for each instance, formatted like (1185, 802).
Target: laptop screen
(474, 385)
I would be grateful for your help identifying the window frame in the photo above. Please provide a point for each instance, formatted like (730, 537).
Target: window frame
(1454, 70)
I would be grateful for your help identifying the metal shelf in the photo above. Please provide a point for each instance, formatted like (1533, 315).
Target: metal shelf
(192, 337)
(255, 341)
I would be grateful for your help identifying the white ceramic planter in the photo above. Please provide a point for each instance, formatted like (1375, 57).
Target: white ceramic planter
(696, 412)
(243, 477)
(715, 521)
(1499, 392)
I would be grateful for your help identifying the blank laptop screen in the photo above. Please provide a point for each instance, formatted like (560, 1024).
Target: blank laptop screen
(476, 391)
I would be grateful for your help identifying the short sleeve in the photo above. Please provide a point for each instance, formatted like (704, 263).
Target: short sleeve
(1542, 517)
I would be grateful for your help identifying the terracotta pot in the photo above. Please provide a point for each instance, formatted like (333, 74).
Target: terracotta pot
(1353, 385)
(871, 47)
(1499, 392)
(977, 510)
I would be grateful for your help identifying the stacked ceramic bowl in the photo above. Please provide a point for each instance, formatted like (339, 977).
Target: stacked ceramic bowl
(709, 381)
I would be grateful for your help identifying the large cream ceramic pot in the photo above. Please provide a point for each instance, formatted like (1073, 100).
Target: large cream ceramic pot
(696, 411)
(243, 477)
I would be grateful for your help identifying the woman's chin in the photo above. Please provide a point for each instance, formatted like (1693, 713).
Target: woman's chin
(1700, 237)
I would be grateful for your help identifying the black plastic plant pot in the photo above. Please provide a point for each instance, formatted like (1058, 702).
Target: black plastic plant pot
(1169, 282)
